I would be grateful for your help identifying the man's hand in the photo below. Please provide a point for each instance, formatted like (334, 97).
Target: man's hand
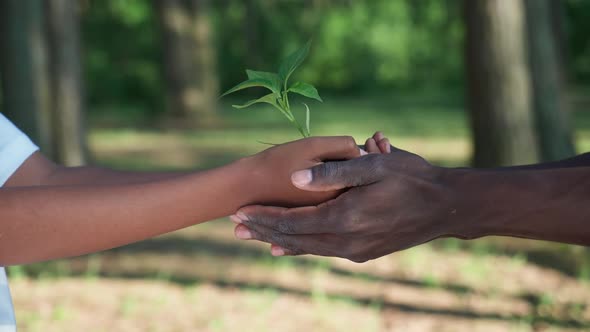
(396, 201)
(399, 200)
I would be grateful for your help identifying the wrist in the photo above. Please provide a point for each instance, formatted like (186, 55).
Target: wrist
(494, 202)
(249, 177)
(466, 190)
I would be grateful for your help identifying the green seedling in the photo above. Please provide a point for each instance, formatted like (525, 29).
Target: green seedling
(278, 84)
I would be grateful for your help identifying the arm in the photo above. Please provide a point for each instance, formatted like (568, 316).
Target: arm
(399, 200)
(582, 160)
(37, 170)
(545, 204)
(62, 219)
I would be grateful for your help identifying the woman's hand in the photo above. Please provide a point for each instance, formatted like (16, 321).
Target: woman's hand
(378, 143)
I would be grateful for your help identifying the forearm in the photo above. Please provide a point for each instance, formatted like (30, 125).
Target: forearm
(582, 160)
(40, 171)
(97, 175)
(46, 222)
(546, 204)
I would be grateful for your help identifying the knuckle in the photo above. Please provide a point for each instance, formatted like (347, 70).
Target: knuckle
(259, 235)
(348, 220)
(350, 143)
(277, 238)
(255, 220)
(378, 164)
(250, 224)
(359, 259)
(285, 227)
(326, 171)
(353, 223)
(355, 252)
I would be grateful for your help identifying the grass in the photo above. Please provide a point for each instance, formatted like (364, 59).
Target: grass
(201, 278)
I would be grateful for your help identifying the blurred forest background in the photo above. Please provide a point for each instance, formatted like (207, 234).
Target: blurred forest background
(134, 84)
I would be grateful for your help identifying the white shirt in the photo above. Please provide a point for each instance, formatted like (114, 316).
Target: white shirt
(15, 148)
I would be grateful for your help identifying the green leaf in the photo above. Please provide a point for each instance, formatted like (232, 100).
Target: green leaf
(293, 61)
(269, 99)
(306, 90)
(273, 78)
(250, 84)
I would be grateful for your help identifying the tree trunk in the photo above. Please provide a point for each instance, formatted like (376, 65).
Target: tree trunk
(251, 33)
(552, 118)
(188, 59)
(23, 69)
(66, 81)
(499, 87)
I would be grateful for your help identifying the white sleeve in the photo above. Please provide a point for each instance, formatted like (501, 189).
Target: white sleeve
(15, 148)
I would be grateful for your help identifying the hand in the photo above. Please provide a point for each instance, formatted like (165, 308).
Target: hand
(269, 171)
(378, 144)
(396, 201)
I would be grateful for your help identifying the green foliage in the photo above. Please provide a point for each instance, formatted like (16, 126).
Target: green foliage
(306, 90)
(366, 46)
(278, 84)
(121, 56)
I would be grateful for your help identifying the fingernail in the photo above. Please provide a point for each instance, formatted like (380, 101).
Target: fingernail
(242, 216)
(301, 178)
(363, 152)
(243, 233)
(235, 219)
(277, 251)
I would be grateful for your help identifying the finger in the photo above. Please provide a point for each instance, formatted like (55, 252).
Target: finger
(280, 251)
(242, 232)
(334, 148)
(371, 146)
(378, 136)
(304, 220)
(384, 145)
(338, 175)
(315, 244)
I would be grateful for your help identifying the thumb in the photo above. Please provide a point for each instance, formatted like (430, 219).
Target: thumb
(338, 174)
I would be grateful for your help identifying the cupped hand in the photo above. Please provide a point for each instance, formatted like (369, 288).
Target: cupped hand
(270, 170)
(395, 201)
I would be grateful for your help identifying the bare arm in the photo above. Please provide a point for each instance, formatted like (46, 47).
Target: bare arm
(40, 223)
(582, 160)
(37, 170)
(546, 204)
(44, 219)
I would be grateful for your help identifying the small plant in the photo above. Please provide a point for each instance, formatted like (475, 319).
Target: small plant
(278, 84)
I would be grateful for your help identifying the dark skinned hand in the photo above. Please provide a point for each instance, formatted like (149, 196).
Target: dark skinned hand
(395, 201)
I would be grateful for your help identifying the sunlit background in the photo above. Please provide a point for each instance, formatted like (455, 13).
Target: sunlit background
(135, 84)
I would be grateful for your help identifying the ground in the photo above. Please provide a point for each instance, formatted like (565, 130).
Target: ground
(202, 279)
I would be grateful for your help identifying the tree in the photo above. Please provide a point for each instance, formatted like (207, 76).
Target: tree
(499, 86)
(552, 118)
(66, 81)
(40, 67)
(188, 59)
(251, 32)
(23, 69)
